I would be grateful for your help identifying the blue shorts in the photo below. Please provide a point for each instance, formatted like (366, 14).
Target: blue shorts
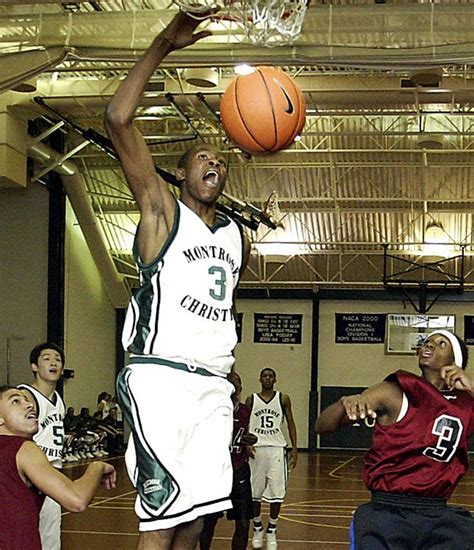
(411, 523)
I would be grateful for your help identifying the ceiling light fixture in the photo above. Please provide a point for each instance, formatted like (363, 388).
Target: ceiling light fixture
(202, 77)
(26, 87)
(437, 241)
(243, 69)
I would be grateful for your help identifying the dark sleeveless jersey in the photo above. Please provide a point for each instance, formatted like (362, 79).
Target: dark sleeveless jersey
(426, 452)
(241, 423)
(19, 505)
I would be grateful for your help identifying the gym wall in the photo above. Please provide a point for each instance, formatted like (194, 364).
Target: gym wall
(291, 362)
(23, 276)
(89, 324)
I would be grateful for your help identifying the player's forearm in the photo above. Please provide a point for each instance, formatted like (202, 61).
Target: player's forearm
(84, 488)
(331, 419)
(293, 436)
(123, 105)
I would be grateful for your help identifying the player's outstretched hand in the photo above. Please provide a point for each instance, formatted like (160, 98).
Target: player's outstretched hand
(358, 407)
(456, 378)
(109, 477)
(181, 30)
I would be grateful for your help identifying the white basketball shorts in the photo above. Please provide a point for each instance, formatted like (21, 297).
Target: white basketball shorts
(178, 454)
(269, 471)
(50, 525)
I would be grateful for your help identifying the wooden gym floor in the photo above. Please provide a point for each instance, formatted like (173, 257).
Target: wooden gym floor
(323, 491)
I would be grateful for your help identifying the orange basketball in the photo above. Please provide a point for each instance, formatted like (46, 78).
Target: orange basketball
(264, 111)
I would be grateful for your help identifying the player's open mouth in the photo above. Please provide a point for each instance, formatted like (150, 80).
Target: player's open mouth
(31, 416)
(212, 177)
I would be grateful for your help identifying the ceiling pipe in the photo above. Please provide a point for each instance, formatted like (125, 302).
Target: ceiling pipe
(75, 188)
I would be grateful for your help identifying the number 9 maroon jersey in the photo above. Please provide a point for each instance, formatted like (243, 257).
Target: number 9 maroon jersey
(424, 453)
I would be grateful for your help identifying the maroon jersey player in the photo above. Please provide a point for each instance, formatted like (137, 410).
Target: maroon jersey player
(239, 451)
(419, 451)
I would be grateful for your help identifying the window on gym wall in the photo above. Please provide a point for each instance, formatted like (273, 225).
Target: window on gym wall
(406, 333)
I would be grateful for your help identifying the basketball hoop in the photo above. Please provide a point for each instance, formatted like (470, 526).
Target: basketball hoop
(272, 210)
(265, 22)
(197, 8)
(272, 22)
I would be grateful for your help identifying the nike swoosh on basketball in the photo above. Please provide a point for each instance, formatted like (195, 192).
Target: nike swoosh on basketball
(290, 110)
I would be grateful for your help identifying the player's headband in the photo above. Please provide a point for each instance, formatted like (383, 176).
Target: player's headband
(457, 351)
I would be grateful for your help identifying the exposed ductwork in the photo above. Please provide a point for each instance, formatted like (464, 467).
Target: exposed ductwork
(74, 185)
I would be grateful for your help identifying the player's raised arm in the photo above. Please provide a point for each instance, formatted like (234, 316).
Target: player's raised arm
(382, 401)
(156, 202)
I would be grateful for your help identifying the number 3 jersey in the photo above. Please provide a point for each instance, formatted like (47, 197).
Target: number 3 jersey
(183, 310)
(50, 436)
(424, 453)
(266, 419)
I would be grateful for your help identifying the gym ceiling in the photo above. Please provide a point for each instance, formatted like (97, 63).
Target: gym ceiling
(386, 152)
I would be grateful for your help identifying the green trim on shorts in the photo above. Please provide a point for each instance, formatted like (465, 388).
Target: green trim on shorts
(155, 485)
(145, 359)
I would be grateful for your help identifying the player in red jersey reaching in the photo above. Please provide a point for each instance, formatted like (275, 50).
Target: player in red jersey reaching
(419, 451)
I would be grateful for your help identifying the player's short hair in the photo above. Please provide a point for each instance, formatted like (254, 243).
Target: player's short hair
(36, 352)
(102, 395)
(270, 369)
(184, 158)
(4, 388)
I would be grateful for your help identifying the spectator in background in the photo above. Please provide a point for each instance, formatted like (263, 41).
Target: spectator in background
(114, 405)
(70, 420)
(104, 403)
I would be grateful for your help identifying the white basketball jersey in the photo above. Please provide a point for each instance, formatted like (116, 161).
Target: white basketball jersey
(50, 436)
(183, 310)
(266, 420)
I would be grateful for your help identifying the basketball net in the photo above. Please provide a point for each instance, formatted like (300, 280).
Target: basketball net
(272, 22)
(265, 22)
(200, 9)
(272, 210)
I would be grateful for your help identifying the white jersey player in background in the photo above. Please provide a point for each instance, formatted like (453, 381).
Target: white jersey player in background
(47, 364)
(269, 468)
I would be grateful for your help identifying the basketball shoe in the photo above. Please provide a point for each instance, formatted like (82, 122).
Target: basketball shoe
(257, 539)
(272, 540)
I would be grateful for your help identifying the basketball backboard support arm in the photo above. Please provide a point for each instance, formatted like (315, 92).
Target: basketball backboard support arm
(202, 98)
(247, 214)
(428, 280)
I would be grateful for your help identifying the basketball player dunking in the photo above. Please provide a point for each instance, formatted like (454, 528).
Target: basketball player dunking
(180, 326)
(418, 454)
